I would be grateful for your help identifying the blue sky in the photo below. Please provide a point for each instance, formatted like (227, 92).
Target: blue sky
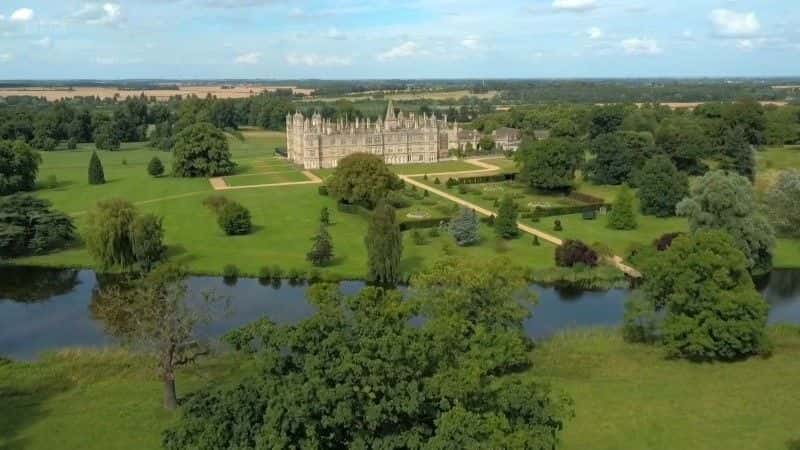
(52, 39)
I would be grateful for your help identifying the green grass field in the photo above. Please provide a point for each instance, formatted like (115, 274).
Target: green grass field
(285, 218)
(627, 397)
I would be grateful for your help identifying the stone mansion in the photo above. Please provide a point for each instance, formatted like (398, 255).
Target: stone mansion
(399, 139)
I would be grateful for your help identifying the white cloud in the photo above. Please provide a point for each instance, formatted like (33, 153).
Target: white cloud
(248, 58)
(314, 60)
(22, 15)
(6, 57)
(574, 5)
(45, 42)
(745, 44)
(595, 33)
(472, 42)
(403, 50)
(99, 14)
(729, 23)
(637, 46)
(334, 33)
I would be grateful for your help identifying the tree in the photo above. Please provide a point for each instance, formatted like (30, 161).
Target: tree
(783, 203)
(154, 315)
(96, 174)
(622, 215)
(384, 244)
(713, 311)
(605, 119)
(106, 136)
(614, 161)
(661, 187)
(19, 167)
(486, 143)
(549, 164)
(147, 241)
(572, 252)
(155, 168)
(362, 179)
(464, 227)
(234, 219)
(201, 150)
(505, 225)
(448, 383)
(325, 216)
(28, 225)
(108, 236)
(738, 155)
(747, 114)
(685, 142)
(321, 252)
(724, 201)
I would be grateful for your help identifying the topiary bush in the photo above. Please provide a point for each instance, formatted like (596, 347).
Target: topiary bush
(557, 226)
(155, 168)
(96, 174)
(234, 219)
(573, 252)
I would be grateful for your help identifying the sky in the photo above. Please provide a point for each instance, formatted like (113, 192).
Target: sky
(291, 39)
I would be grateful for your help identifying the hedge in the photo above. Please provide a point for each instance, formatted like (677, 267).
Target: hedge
(540, 212)
(430, 222)
(488, 178)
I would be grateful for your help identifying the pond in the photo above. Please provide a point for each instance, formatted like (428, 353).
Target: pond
(43, 309)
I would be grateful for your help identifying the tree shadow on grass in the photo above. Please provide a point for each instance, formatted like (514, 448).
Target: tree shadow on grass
(21, 407)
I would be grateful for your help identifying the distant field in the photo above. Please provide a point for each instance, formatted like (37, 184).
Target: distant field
(411, 95)
(237, 91)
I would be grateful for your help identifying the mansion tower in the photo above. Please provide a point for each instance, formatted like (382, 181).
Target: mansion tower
(317, 143)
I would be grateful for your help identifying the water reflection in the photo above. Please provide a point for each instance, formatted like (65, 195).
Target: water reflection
(49, 309)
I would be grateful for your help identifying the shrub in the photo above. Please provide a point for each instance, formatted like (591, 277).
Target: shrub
(557, 226)
(96, 174)
(418, 238)
(155, 168)
(215, 203)
(425, 177)
(124, 162)
(464, 228)
(436, 181)
(277, 272)
(264, 273)
(295, 274)
(325, 216)
(397, 200)
(573, 252)
(234, 219)
(622, 215)
(640, 322)
(536, 242)
(230, 271)
(665, 241)
(323, 190)
(450, 183)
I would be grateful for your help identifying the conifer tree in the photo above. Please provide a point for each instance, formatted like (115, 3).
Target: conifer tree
(464, 228)
(505, 225)
(96, 175)
(738, 154)
(384, 244)
(622, 215)
(322, 251)
(325, 216)
(155, 168)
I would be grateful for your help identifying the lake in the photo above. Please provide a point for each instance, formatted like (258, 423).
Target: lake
(46, 309)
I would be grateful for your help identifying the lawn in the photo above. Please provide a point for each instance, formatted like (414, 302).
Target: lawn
(285, 219)
(627, 397)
